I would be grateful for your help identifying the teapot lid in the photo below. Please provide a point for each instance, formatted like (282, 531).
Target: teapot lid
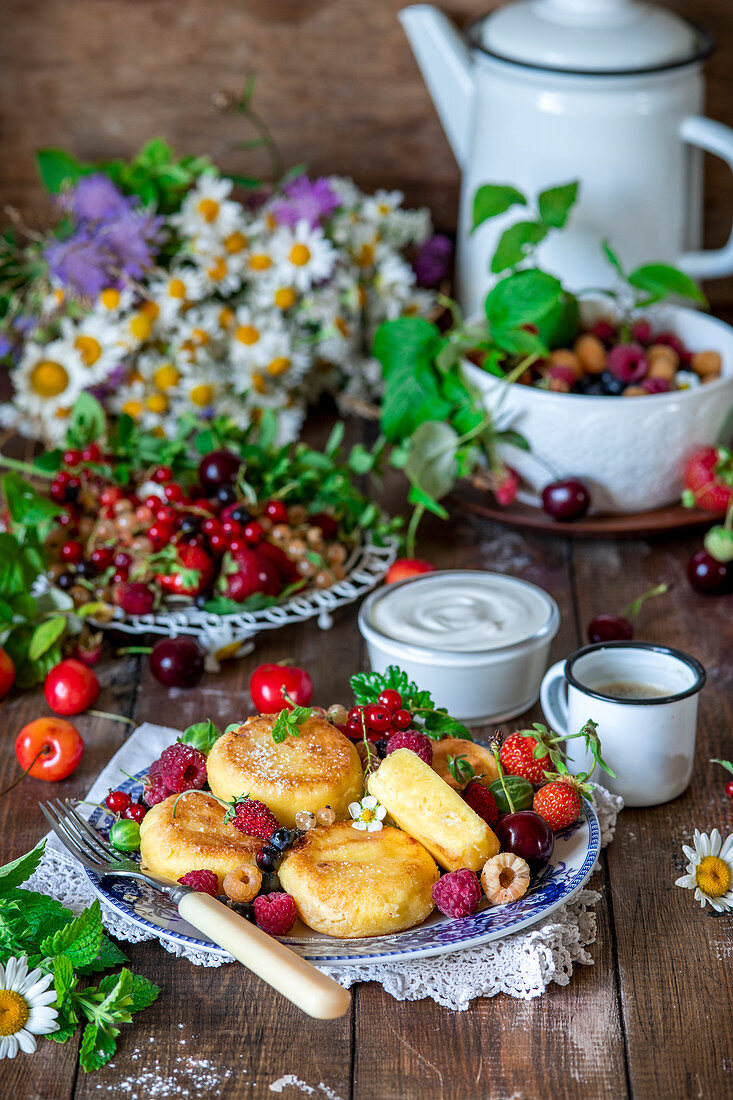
(590, 36)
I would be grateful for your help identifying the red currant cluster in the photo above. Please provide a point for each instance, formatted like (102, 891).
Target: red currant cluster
(119, 802)
(380, 719)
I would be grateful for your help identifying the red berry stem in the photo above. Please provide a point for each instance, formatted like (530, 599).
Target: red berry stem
(43, 751)
(636, 605)
(112, 717)
(495, 749)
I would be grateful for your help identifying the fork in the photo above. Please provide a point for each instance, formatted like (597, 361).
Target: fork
(276, 964)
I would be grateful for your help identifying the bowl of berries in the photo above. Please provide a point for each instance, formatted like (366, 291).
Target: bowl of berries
(677, 365)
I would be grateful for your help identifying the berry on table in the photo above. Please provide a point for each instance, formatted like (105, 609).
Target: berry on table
(275, 913)
(729, 788)
(253, 818)
(49, 748)
(481, 801)
(182, 768)
(403, 568)
(707, 575)
(276, 511)
(417, 742)
(458, 893)
(708, 478)
(117, 801)
(610, 628)
(177, 662)
(71, 687)
(203, 881)
(566, 500)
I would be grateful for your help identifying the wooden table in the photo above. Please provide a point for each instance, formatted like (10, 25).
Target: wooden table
(653, 1018)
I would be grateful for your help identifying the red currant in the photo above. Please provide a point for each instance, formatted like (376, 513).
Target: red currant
(202, 504)
(174, 493)
(231, 528)
(237, 544)
(253, 532)
(101, 558)
(729, 788)
(135, 812)
(354, 730)
(277, 511)
(91, 453)
(161, 474)
(117, 801)
(211, 526)
(160, 533)
(120, 576)
(390, 699)
(377, 717)
(72, 458)
(69, 517)
(355, 714)
(122, 560)
(71, 552)
(165, 514)
(402, 719)
(218, 543)
(110, 495)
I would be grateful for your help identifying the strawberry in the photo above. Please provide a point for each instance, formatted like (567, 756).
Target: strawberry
(559, 801)
(191, 570)
(522, 754)
(505, 483)
(709, 478)
(246, 573)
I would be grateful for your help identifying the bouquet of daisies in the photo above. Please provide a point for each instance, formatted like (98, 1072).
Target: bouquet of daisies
(213, 306)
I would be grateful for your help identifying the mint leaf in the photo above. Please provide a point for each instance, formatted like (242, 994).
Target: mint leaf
(438, 723)
(556, 203)
(27, 507)
(117, 992)
(144, 993)
(515, 243)
(63, 977)
(80, 940)
(288, 723)
(431, 463)
(407, 349)
(13, 874)
(492, 199)
(42, 915)
(44, 636)
(367, 686)
(98, 1044)
(109, 955)
(724, 763)
(661, 281)
(529, 311)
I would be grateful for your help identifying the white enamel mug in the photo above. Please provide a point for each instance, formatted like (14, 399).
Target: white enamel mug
(648, 742)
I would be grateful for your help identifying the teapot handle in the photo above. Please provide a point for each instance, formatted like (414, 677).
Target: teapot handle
(715, 138)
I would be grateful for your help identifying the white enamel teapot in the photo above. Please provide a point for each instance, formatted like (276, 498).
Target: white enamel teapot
(609, 92)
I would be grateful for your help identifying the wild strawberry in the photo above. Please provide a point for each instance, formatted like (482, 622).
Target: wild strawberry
(709, 478)
(525, 753)
(505, 484)
(559, 801)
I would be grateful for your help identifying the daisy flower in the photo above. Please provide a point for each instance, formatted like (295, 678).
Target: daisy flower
(275, 293)
(113, 302)
(200, 387)
(381, 205)
(367, 815)
(248, 336)
(305, 256)
(207, 210)
(284, 361)
(96, 339)
(180, 287)
(25, 1011)
(709, 870)
(221, 272)
(394, 280)
(47, 382)
(138, 326)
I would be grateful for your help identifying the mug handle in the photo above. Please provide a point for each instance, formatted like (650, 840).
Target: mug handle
(554, 698)
(714, 138)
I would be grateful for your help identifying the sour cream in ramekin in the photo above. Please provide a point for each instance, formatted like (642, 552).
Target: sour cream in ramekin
(478, 641)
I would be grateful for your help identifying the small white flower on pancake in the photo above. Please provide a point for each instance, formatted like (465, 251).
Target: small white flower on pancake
(710, 870)
(367, 814)
(25, 1009)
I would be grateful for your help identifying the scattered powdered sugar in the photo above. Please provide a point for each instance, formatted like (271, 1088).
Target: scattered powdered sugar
(191, 1077)
(291, 1081)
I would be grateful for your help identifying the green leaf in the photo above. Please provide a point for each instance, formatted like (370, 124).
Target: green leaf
(556, 203)
(13, 874)
(661, 281)
(461, 768)
(88, 421)
(144, 993)
(612, 258)
(361, 461)
(513, 439)
(63, 977)
(201, 735)
(98, 1044)
(42, 914)
(514, 244)
(27, 507)
(492, 199)
(80, 940)
(56, 168)
(431, 464)
(438, 723)
(525, 301)
(44, 636)
(109, 955)
(725, 763)
(407, 348)
(367, 686)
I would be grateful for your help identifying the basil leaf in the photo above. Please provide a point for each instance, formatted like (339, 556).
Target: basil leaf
(492, 199)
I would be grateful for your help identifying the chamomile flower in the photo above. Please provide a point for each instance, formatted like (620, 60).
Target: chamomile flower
(179, 288)
(367, 815)
(305, 255)
(284, 359)
(248, 346)
(221, 272)
(138, 326)
(259, 260)
(709, 870)
(96, 339)
(207, 211)
(47, 381)
(113, 302)
(25, 1000)
(275, 292)
(201, 387)
(393, 280)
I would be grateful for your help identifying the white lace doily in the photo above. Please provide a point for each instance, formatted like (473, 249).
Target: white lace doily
(522, 965)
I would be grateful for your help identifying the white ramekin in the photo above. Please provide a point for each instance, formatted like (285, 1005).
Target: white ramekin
(478, 687)
(630, 451)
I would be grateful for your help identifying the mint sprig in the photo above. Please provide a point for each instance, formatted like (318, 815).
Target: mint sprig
(288, 723)
(70, 947)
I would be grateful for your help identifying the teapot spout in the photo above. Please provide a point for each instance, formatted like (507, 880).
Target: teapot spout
(445, 63)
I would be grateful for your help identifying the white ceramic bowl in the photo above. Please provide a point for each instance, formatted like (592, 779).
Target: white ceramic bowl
(629, 451)
(477, 686)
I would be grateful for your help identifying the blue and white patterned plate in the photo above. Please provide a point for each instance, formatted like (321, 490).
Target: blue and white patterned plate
(573, 860)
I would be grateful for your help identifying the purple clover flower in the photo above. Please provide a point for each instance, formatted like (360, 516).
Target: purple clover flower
(130, 239)
(95, 198)
(432, 262)
(80, 263)
(312, 200)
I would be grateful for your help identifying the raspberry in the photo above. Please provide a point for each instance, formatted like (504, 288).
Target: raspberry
(254, 819)
(275, 913)
(205, 881)
(482, 802)
(627, 362)
(182, 768)
(154, 790)
(458, 893)
(417, 742)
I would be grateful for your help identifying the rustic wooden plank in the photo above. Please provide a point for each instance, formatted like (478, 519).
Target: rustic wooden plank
(673, 958)
(566, 1044)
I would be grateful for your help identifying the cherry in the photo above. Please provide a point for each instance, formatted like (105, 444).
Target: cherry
(610, 628)
(135, 811)
(117, 801)
(729, 788)
(527, 835)
(162, 474)
(165, 514)
(377, 718)
(160, 534)
(211, 526)
(566, 500)
(231, 528)
(110, 495)
(135, 598)
(54, 744)
(270, 683)
(390, 699)
(709, 576)
(218, 469)
(218, 543)
(122, 560)
(71, 552)
(69, 518)
(177, 662)
(276, 510)
(91, 453)
(7, 673)
(71, 687)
